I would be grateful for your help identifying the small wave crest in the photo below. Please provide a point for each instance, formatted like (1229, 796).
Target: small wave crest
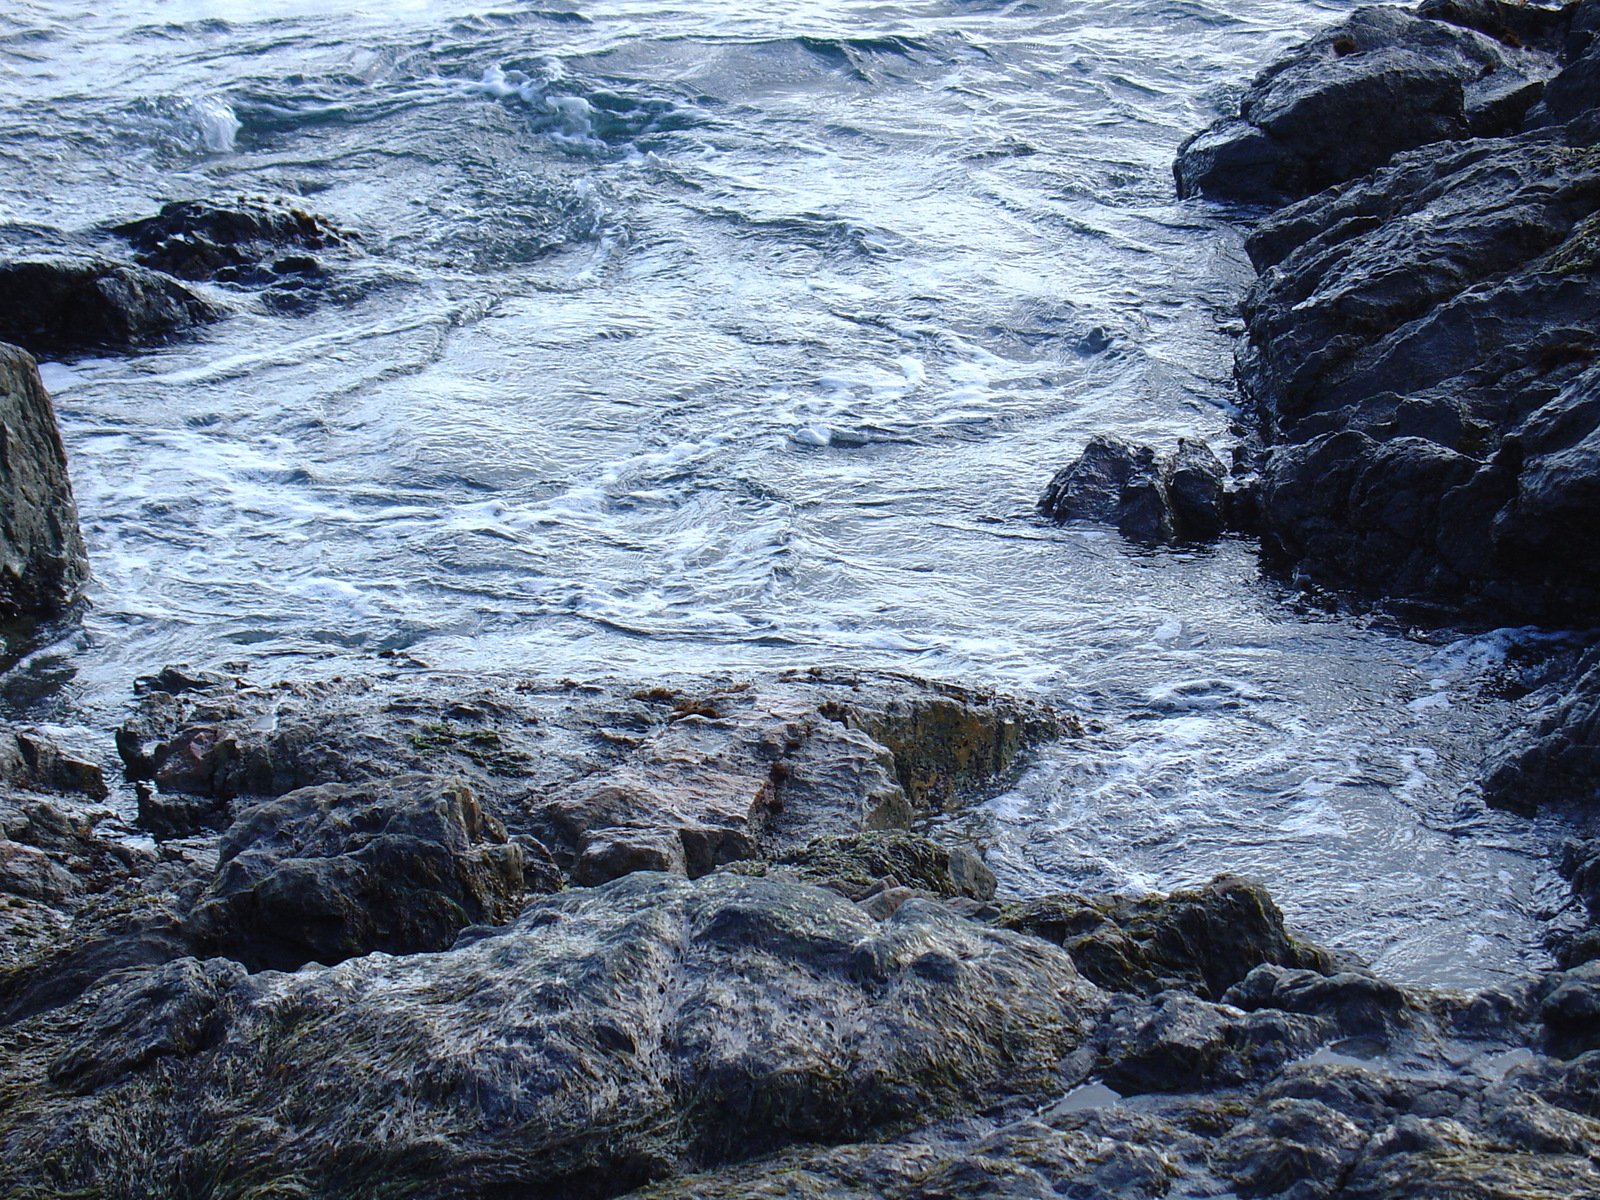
(586, 119)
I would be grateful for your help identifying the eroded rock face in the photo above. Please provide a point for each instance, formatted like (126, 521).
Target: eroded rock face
(1383, 81)
(611, 781)
(325, 873)
(43, 564)
(607, 1037)
(70, 303)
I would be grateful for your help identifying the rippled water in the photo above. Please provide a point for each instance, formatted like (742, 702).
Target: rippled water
(690, 337)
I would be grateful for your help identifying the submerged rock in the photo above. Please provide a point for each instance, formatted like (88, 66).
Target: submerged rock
(1342, 104)
(1150, 498)
(43, 564)
(71, 303)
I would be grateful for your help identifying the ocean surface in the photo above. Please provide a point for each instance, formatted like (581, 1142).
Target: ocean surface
(699, 337)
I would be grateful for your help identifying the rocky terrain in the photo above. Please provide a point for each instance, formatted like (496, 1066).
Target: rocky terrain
(411, 934)
(1418, 370)
(407, 933)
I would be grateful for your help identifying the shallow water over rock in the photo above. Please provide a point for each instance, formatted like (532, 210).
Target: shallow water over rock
(681, 339)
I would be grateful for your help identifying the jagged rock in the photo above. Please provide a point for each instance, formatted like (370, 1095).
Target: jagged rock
(324, 873)
(1555, 760)
(1421, 355)
(69, 303)
(605, 1038)
(1206, 939)
(250, 241)
(43, 565)
(611, 782)
(36, 764)
(1359, 1004)
(1150, 498)
(1345, 102)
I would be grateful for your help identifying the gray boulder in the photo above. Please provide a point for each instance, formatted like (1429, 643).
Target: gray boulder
(1421, 358)
(325, 873)
(43, 565)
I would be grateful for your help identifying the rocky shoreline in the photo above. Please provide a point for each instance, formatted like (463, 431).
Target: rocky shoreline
(413, 933)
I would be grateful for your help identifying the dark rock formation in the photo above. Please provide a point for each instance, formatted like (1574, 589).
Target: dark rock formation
(606, 1038)
(70, 303)
(325, 873)
(1205, 940)
(1383, 81)
(1150, 498)
(1421, 354)
(1556, 759)
(255, 243)
(612, 783)
(43, 565)
(247, 241)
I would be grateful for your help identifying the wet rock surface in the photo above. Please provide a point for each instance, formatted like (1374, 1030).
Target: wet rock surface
(1383, 81)
(844, 1008)
(1151, 498)
(606, 1037)
(43, 563)
(68, 303)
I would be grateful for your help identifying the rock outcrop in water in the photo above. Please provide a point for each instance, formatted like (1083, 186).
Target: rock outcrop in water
(256, 243)
(1150, 497)
(71, 303)
(43, 564)
(1383, 81)
(73, 293)
(1421, 363)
